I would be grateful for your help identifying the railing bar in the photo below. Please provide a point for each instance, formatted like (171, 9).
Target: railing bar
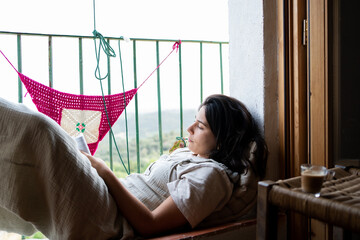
(50, 63)
(221, 69)
(109, 93)
(201, 72)
(136, 111)
(159, 98)
(81, 68)
(115, 38)
(125, 109)
(20, 98)
(181, 101)
(19, 58)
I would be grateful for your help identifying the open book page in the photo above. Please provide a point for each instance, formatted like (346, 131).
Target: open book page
(82, 145)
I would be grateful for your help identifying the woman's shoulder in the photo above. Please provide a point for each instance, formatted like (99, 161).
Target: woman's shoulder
(186, 156)
(180, 151)
(186, 162)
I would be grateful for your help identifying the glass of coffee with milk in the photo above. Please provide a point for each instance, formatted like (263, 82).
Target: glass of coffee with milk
(312, 178)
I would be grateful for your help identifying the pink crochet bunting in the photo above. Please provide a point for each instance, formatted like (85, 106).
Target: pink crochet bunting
(53, 103)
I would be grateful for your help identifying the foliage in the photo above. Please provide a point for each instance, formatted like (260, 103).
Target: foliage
(37, 235)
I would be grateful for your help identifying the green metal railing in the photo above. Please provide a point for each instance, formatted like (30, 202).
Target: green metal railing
(135, 41)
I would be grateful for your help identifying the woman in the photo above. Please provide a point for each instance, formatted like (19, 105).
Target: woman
(55, 190)
(223, 131)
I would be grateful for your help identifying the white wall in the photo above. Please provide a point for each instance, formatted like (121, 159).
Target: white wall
(253, 67)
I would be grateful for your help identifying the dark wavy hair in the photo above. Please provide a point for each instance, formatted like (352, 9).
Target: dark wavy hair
(235, 129)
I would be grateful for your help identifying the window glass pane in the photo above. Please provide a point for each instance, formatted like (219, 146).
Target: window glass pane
(345, 75)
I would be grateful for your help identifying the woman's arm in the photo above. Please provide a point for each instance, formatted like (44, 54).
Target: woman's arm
(165, 217)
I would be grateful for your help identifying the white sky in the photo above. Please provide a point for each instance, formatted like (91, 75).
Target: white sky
(186, 19)
(162, 19)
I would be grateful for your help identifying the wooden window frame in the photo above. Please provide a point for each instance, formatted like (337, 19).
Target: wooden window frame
(303, 96)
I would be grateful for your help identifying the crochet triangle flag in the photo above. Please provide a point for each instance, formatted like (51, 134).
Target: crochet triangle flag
(93, 116)
(79, 113)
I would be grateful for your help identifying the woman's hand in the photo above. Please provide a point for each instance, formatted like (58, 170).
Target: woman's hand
(98, 164)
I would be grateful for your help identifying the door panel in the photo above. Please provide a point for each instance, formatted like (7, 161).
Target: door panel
(318, 82)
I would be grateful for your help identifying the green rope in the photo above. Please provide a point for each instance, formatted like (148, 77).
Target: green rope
(111, 131)
(103, 96)
(126, 123)
(105, 46)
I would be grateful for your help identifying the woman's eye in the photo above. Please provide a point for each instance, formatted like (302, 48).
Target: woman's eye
(199, 126)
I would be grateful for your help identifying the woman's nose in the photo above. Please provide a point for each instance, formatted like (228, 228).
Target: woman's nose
(190, 128)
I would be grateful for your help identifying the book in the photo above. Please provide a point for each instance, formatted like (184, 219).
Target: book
(81, 143)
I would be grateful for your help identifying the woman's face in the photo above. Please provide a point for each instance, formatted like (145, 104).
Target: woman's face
(201, 139)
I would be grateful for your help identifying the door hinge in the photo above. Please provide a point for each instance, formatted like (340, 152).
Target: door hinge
(305, 32)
